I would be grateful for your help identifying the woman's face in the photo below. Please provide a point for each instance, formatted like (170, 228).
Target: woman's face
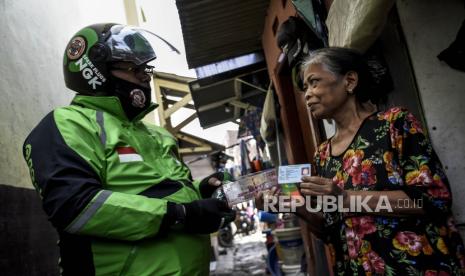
(324, 91)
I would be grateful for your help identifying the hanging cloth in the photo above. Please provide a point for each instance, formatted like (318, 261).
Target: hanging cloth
(245, 161)
(269, 128)
(267, 124)
(250, 125)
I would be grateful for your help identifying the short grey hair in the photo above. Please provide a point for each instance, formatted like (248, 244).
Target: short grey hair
(333, 59)
(339, 61)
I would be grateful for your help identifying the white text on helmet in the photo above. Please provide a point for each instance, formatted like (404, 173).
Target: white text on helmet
(88, 70)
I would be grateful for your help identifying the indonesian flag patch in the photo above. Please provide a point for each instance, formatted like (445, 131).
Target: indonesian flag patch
(128, 154)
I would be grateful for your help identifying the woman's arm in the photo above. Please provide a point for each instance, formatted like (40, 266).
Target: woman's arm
(315, 221)
(422, 176)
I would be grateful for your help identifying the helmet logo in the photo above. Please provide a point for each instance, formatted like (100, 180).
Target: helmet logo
(137, 98)
(88, 70)
(76, 48)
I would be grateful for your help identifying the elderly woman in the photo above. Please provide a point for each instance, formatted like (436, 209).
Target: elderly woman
(380, 157)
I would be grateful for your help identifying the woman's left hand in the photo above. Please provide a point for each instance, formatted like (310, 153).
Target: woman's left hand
(261, 196)
(316, 185)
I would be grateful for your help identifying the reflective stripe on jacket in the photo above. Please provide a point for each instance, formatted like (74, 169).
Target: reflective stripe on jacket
(104, 183)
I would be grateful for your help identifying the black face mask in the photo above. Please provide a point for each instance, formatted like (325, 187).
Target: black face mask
(133, 97)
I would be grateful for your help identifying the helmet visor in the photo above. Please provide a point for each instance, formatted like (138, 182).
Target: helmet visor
(127, 43)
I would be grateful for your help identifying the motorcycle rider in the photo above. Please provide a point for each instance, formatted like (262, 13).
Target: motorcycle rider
(114, 187)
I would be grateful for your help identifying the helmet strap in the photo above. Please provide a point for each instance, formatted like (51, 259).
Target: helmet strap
(134, 98)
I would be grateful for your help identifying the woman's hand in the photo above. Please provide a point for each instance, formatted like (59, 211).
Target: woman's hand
(316, 185)
(269, 195)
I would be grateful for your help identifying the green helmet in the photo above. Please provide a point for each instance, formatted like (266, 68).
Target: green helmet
(90, 52)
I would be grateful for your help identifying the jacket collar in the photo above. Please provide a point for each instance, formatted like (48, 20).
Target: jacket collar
(109, 104)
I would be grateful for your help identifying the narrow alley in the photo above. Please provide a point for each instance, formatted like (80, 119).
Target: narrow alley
(246, 257)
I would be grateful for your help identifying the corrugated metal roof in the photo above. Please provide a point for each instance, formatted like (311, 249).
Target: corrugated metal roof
(216, 30)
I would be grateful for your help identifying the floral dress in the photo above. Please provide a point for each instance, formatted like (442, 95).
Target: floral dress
(390, 152)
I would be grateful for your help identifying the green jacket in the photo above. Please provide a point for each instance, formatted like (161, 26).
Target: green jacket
(105, 183)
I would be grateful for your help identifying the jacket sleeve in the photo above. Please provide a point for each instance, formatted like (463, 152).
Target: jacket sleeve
(67, 174)
(196, 183)
(422, 173)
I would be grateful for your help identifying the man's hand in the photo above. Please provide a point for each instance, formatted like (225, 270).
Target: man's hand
(206, 216)
(210, 183)
(215, 182)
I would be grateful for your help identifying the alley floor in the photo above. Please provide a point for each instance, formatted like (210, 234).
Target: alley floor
(247, 257)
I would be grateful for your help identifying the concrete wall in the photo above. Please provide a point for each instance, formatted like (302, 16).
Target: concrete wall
(33, 37)
(429, 27)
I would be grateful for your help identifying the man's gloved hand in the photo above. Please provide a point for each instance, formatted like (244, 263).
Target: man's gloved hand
(209, 184)
(205, 216)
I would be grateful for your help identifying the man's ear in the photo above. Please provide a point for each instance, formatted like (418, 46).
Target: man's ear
(351, 81)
